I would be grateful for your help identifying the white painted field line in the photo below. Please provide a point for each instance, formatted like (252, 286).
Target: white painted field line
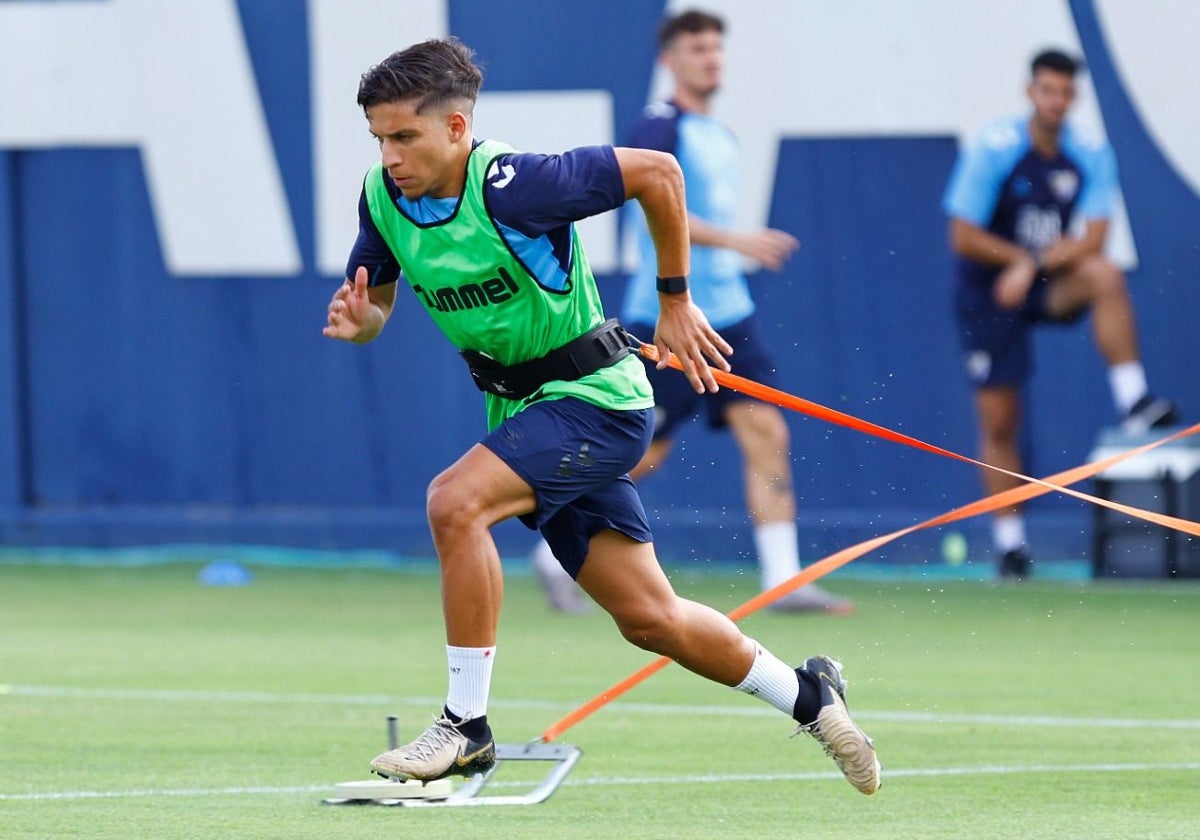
(915, 772)
(146, 793)
(189, 696)
(617, 781)
(673, 709)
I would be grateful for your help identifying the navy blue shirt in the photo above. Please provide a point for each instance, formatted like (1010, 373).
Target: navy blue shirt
(533, 212)
(1002, 184)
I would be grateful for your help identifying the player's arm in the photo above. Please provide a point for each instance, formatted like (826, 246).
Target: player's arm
(1068, 251)
(970, 200)
(980, 245)
(655, 181)
(358, 312)
(362, 305)
(1018, 267)
(768, 246)
(973, 193)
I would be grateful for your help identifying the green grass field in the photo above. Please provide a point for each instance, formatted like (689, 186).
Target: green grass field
(136, 703)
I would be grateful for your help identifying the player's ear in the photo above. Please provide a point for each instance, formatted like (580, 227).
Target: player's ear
(458, 125)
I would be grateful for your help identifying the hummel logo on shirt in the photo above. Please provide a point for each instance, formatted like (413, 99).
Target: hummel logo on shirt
(496, 170)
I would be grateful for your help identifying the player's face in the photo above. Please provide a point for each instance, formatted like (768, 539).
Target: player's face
(421, 152)
(1051, 93)
(697, 60)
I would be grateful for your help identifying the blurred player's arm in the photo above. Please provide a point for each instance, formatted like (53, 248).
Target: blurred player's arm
(1068, 251)
(768, 246)
(980, 245)
(1018, 267)
(655, 181)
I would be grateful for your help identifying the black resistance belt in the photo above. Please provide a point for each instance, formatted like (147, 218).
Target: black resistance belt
(597, 348)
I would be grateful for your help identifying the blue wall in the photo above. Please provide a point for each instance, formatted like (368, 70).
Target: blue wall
(11, 365)
(136, 406)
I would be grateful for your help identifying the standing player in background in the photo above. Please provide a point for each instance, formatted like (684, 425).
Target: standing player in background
(1011, 199)
(484, 239)
(691, 47)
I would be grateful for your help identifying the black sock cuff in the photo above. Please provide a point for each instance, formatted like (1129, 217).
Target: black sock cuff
(475, 728)
(808, 701)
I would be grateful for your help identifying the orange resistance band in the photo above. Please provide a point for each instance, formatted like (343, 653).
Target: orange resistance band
(1035, 487)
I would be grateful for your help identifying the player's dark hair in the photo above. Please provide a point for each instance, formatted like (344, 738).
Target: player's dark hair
(1055, 60)
(432, 72)
(693, 21)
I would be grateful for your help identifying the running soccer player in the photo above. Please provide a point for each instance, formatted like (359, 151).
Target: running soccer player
(484, 239)
(1012, 197)
(692, 48)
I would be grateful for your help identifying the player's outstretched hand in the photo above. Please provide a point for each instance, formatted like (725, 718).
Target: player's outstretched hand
(769, 247)
(683, 330)
(349, 309)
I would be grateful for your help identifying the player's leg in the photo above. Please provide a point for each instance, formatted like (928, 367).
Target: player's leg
(763, 439)
(997, 355)
(462, 504)
(1097, 283)
(999, 411)
(624, 578)
(675, 402)
(622, 575)
(562, 592)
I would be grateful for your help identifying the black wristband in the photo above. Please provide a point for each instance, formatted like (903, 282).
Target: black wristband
(672, 285)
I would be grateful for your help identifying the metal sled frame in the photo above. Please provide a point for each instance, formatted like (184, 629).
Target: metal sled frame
(563, 756)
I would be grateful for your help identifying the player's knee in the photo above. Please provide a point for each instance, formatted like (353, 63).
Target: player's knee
(448, 505)
(652, 626)
(760, 427)
(1103, 276)
(1001, 431)
(775, 432)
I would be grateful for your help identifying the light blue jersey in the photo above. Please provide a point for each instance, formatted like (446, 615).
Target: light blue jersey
(708, 155)
(1001, 183)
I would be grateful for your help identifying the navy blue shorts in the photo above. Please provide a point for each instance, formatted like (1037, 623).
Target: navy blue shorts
(674, 399)
(576, 456)
(997, 349)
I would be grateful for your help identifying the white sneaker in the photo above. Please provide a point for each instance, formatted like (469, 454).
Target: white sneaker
(440, 751)
(812, 598)
(849, 747)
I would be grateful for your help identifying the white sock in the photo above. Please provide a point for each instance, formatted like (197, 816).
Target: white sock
(1008, 532)
(778, 552)
(1128, 383)
(546, 563)
(772, 680)
(470, 680)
